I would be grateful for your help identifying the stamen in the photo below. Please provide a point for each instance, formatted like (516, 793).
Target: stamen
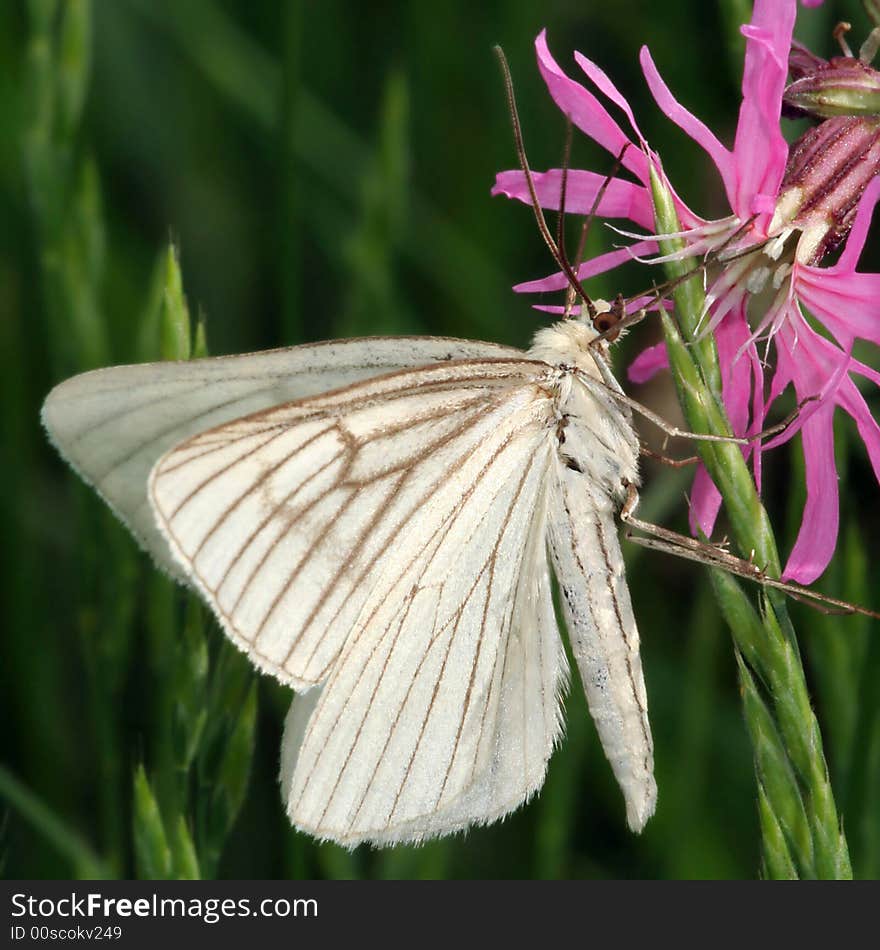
(780, 274)
(776, 245)
(839, 33)
(869, 48)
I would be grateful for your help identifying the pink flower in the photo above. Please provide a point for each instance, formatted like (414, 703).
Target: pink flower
(784, 217)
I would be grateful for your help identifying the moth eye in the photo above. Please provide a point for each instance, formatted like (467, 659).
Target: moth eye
(604, 322)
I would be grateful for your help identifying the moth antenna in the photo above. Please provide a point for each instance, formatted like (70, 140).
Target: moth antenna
(571, 293)
(563, 188)
(585, 230)
(530, 182)
(600, 194)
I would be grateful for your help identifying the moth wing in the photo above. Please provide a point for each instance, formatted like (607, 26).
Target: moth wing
(113, 424)
(285, 520)
(443, 707)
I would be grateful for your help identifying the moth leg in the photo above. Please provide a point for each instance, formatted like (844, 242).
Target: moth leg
(666, 460)
(680, 545)
(608, 384)
(786, 422)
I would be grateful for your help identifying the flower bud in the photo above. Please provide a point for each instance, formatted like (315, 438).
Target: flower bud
(842, 86)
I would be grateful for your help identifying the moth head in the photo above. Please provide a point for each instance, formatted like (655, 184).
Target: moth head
(603, 317)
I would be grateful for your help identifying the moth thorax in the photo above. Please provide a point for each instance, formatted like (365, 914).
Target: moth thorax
(565, 342)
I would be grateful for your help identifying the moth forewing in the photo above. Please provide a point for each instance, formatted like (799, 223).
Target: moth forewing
(111, 425)
(429, 719)
(284, 520)
(519, 727)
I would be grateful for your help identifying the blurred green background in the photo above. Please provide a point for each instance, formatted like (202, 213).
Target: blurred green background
(324, 170)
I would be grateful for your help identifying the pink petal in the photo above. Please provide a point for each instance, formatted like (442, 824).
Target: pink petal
(866, 371)
(742, 381)
(586, 112)
(646, 302)
(782, 375)
(600, 79)
(690, 124)
(648, 363)
(847, 303)
(736, 382)
(853, 402)
(816, 367)
(622, 199)
(760, 151)
(604, 84)
(824, 395)
(759, 413)
(817, 537)
(705, 503)
(596, 265)
(856, 240)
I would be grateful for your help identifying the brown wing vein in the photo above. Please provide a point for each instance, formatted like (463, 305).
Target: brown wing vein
(208, 447)
(119, 462)
(254, 486)
(490, 566)
(443, 530)
(481, 638)
(273, 513)
(208, 479)
(322, 535)
(407, 472)
(200, 381)
(457, 617)
(406, 469)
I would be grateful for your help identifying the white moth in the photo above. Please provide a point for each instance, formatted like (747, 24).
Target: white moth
(370, 520)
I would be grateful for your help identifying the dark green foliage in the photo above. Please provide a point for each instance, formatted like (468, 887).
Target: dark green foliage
(321, 170)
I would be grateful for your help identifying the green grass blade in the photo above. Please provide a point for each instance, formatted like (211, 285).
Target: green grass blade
(86, 864)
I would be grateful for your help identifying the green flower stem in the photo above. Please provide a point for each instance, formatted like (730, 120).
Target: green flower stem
(800, 828)
(751, 526)
(776, 778)
(694, 361)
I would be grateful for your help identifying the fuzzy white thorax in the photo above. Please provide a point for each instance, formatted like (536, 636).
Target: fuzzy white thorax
(569, 342)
